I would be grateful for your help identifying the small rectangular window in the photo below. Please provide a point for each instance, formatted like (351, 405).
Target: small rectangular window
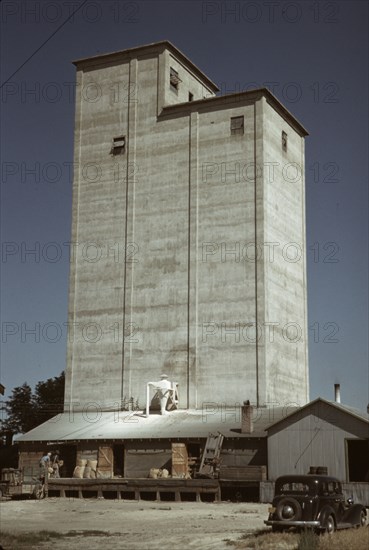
(237, 125)
(284, 141)
(118, 145)
(174, 80)
(190, 96)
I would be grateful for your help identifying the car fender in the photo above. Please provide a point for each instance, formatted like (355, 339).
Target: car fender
(353, 514)
(324, 513)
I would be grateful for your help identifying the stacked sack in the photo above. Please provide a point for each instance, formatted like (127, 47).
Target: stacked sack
(90, 469)
(156, 473)
(85, 469)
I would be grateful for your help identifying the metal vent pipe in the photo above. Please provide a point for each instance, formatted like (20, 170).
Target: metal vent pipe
(337, 393)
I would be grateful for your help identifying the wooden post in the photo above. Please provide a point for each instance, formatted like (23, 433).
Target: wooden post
(46, 482)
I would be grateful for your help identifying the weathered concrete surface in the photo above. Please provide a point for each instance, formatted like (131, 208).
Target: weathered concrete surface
(183, 245)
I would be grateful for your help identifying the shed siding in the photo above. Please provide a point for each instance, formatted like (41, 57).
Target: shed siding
(248, 452)
(313, 437)
(141, 457)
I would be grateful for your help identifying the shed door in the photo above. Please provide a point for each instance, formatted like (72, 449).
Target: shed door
(358, 459)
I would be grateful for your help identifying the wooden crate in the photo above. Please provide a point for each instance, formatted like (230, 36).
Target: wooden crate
(105, 463)
(179, 460)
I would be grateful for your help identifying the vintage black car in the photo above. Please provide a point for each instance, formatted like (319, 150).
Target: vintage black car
(313, 501)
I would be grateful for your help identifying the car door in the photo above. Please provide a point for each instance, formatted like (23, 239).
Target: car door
(337, 499)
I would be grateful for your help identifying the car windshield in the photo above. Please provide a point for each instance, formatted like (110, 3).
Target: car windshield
(293, 487)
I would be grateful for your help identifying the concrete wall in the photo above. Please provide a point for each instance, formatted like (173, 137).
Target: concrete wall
(222, 297)
(123, 209)
(189, 82)
(284, 334)
(170, 282)
(96, 293)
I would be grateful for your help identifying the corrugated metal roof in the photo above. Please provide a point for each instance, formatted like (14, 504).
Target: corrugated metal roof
(351, 410)
(89, 425)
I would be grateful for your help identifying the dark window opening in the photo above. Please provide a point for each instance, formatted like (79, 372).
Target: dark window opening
(190, 96)
(358, 459)
(237, 126)
(174, 80)
(284, 141)
(68, 454)
(118, 453)
(118, 145)
(331, 488)
(194, 452)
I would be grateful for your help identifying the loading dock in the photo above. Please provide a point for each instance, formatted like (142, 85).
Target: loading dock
(139, 489)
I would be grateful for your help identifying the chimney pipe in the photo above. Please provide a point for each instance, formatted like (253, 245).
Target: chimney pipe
(247, 426)
(337, 393)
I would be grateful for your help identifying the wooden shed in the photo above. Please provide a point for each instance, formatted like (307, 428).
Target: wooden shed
(119, 447)
(322, 434)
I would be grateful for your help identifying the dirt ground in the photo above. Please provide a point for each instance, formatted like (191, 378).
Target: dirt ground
(132, 525)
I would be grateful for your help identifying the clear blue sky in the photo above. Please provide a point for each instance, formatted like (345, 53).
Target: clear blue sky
(314, 55)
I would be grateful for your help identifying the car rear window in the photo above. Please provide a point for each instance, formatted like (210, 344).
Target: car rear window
(294, 487)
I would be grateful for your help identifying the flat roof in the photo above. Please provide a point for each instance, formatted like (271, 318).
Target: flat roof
(142, 50)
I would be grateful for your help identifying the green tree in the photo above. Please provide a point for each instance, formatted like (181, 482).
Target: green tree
(18, 409)
(26, 409)
(49, 398)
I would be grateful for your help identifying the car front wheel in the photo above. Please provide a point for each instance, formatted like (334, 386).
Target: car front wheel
(39, 492)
